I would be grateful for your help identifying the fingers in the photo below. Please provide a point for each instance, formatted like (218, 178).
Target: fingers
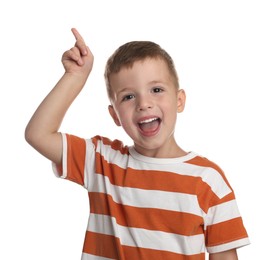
(80, 43)
(77, 34)
(79, 54)
(75, 55)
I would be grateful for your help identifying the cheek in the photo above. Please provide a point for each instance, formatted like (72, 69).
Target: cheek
(169, 105)
(125, 116)
(170, 110)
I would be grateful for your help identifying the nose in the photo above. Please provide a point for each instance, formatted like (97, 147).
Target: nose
(144, 103)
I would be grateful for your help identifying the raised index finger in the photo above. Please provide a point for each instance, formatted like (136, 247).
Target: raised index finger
(77, 35)
(80, 43)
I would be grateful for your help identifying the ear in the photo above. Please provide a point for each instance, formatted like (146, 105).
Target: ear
(114, 115)
(181, 100)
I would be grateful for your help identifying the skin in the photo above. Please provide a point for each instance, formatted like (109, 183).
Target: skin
(143, 92)
(226, 255)
(42, 129)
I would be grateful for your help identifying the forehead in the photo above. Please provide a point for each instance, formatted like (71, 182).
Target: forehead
(141, 71)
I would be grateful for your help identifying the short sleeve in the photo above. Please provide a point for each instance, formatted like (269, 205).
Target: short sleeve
(224, 226)
(77, 158)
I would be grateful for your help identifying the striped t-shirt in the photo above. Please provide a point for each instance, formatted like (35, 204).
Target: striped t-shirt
(151, 208)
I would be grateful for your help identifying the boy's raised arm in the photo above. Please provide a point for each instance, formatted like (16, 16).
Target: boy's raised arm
(42, 130)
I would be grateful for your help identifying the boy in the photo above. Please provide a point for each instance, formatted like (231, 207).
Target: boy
(152, 200)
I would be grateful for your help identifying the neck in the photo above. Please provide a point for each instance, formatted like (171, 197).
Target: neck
(168, 151)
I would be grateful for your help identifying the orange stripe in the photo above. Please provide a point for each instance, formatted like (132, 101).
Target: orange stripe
(75, 164)
(102, 245)
(158, 180)
(207, 199)
(109, 246)
(148, 218)
(166, 181)
(115, 145)
(226, 232)
(202, 161)
(147, 179)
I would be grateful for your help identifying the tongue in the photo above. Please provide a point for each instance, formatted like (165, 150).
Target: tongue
(149, 127)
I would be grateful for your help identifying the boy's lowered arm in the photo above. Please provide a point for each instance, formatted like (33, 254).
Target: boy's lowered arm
(226, 255)
(42, 130)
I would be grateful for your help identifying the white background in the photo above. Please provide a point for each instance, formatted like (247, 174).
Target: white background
(227, 55)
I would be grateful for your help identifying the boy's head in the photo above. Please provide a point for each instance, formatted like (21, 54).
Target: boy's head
(143, 89)
(126, 55)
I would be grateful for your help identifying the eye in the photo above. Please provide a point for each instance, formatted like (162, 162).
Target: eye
(157, 90)
(128, 97)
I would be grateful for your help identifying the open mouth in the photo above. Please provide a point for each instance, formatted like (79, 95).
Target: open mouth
(149, 126)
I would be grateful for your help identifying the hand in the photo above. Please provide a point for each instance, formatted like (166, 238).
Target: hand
(78, 59)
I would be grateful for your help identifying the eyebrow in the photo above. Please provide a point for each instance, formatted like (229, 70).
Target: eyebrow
(124, 90)
(154, 82)
(128, 89)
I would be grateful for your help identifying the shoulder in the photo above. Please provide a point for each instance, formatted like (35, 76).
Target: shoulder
(204, 162)
(212, 174)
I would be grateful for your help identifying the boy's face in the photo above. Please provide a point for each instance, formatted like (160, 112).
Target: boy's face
(145, 102)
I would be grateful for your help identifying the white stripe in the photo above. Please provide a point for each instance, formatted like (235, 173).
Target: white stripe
(64, 159)
(222, 212)
(86, 256)
(137, 237)
(147, 159)
(89, 163)
(224, 247)
(209, 175)
(64, 156)
(112, 155)
(174, 201)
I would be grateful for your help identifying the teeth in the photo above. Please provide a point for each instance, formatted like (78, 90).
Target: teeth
(148, 120)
